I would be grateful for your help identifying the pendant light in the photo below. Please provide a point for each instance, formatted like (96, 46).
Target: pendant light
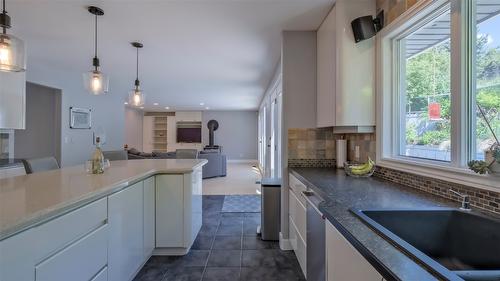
(96, 82)
(12, 49)
(136, 97)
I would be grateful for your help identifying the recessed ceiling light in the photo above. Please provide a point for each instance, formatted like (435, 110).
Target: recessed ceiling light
(166, 107)
(202, 103)
(125, 103)
(207, 108)
(155, 103)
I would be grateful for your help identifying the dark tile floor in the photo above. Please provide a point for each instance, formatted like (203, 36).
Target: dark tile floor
(227, 248)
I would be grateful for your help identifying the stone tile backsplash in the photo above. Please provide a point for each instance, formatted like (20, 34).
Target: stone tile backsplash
(484, 200)
(315, 147)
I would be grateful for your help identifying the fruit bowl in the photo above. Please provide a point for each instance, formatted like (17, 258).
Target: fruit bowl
(358, 170)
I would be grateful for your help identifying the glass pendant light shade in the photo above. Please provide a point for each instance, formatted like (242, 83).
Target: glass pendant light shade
(12, 49)
(96, 82)
(136, 97)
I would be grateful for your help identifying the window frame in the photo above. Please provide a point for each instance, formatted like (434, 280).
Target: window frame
(463, 32)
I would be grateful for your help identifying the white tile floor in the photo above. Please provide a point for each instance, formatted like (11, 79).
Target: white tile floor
(240, 179)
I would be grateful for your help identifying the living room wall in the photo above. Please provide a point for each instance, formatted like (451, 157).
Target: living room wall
(133, 128)
(107, 111)
(237, 133)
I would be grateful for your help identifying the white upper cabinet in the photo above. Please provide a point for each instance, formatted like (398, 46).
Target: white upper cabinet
(345, 70)
(12, 100)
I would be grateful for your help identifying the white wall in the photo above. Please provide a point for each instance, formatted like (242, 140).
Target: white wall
(299, 97)
(107, 110)
(237, 133)
(133, 128)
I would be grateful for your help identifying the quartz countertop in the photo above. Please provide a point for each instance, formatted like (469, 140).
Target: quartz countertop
(342, 193)
(28, 200)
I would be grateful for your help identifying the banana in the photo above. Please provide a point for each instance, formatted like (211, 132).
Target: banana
(363, 168)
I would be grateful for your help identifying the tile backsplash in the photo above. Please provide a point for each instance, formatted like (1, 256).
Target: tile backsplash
(394, 8)
(315, 147)
(485, 200)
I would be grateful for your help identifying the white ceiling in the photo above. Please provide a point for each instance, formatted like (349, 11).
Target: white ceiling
(221, 53)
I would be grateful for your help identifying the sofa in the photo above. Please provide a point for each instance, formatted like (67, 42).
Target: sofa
(216, 166)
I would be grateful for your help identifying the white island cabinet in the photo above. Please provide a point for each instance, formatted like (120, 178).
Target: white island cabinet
(178, 212)
(70, 247)
(343, 261)
(110, 234)
(126, 243)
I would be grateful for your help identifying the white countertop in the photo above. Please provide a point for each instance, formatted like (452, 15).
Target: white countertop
(28, 200)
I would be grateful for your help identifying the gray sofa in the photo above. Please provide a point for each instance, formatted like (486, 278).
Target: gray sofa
(216, 166)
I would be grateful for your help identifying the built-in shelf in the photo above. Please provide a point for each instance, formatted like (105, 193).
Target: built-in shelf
(160, 133)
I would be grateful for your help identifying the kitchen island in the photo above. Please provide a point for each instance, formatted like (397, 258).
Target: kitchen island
(69, 225)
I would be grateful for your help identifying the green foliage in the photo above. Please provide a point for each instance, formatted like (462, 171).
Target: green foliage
(435, 137)
(428, 80)
(478, 166)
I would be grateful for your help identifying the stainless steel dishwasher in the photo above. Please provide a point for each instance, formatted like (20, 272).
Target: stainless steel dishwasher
(316, 254)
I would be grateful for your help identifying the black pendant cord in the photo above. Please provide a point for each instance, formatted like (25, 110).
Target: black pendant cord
(137, 82)
(96, 59)
(4, 17)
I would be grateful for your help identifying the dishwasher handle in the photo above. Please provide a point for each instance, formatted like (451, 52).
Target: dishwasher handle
(308, 195)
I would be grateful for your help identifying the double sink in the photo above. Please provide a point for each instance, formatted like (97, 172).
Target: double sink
(451, 243)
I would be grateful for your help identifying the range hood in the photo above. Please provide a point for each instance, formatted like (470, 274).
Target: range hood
(353, 129)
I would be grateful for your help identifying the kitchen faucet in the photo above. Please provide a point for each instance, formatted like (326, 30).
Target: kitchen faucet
(465, 200)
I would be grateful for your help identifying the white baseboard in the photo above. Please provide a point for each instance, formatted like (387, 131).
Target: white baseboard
(243, 161)
(170, 251)
(285, 244)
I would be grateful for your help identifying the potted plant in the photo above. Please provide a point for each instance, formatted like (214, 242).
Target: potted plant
(491, 165)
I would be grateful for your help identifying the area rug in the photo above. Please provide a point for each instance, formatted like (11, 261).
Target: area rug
(241, 204)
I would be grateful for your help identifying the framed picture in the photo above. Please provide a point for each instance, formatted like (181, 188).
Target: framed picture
(80, 118)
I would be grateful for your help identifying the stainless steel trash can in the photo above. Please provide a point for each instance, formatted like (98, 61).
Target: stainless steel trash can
(271, 204)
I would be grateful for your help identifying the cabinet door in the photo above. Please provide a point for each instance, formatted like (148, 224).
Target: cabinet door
(12, 100)
(169, 211)
(195, 211)
(343, 261)
(126, 243)
(81, 261)
(326, 71)
(149, 216)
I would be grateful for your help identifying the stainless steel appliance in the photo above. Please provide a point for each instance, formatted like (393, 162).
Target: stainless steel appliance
(315, 238)
(270, 210)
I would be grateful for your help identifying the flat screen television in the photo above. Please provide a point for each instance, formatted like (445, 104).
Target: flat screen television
(192, 135)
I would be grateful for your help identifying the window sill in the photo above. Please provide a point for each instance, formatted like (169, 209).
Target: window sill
(441, 172)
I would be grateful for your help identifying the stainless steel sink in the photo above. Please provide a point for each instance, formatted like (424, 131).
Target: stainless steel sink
(453, 244)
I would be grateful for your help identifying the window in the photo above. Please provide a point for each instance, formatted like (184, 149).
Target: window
(438, 73)
(487, 73)
(424, 90)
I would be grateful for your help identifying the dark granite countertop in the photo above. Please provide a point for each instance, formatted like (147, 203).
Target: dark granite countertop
(342, 193)
(9, 163)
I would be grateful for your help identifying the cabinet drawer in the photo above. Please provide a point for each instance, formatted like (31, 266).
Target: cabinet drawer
(298, 245)
(80, 261)
(73, 225)
(298, 214)
(297, 187)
